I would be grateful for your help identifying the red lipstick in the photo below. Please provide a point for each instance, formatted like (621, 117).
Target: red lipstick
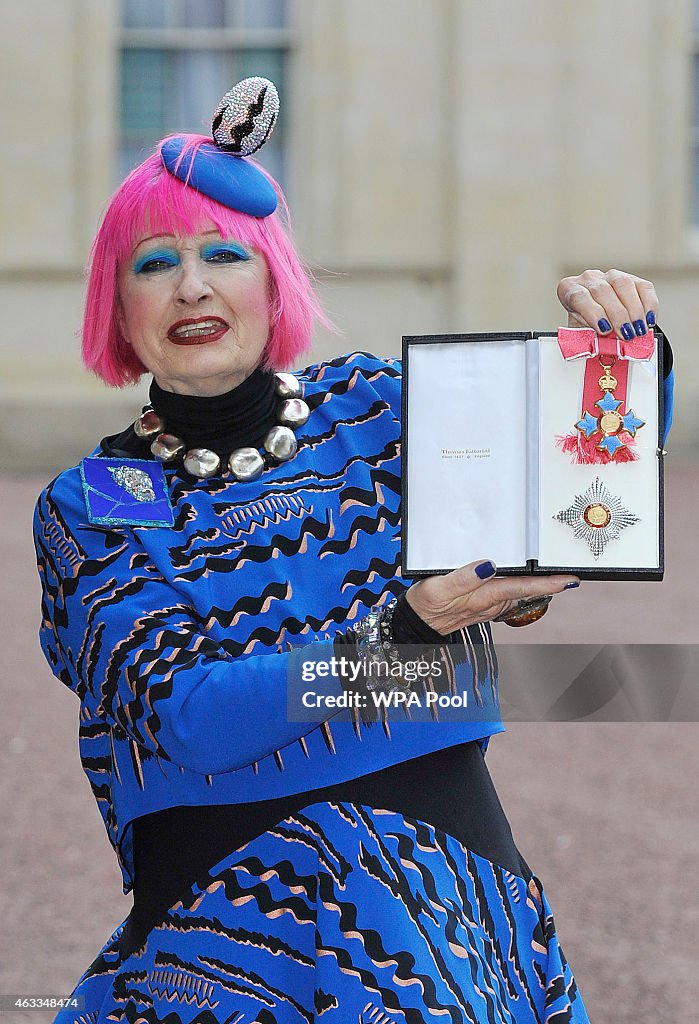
(197, 330)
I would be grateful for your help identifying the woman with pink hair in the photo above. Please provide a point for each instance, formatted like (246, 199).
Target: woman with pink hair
(219, 580)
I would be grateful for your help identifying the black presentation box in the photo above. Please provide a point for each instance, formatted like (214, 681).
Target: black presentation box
(485, 473)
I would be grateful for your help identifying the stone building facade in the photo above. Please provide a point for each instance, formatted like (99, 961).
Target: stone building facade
(446, 163)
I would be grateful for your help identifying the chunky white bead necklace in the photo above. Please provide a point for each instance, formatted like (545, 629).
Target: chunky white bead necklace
(245, 463)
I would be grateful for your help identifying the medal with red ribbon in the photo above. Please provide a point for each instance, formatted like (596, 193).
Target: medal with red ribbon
(607, 428)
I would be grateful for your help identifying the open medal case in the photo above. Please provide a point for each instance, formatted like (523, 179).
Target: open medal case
(541, 451)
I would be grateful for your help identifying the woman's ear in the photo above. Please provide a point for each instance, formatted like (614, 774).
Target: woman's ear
(121, 321)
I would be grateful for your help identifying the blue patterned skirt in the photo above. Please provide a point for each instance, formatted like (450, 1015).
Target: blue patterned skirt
(345, 914)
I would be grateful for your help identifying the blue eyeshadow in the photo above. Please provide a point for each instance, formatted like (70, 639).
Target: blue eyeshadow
(168, 256)
(222, 247)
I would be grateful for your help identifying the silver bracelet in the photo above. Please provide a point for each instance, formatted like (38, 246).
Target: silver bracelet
(377, 651)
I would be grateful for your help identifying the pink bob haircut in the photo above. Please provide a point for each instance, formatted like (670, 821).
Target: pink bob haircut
(152, 201)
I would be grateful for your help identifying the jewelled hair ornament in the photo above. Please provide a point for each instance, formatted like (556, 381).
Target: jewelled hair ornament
(242, 123)
(606, 430)
(597, 517)
(245, 117)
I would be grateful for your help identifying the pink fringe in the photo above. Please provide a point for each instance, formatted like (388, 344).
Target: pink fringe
(584, 450)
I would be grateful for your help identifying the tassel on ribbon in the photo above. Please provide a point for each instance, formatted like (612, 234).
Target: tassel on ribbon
(584, 451)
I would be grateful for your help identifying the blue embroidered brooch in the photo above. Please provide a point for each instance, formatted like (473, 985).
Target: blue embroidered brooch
(130, 492)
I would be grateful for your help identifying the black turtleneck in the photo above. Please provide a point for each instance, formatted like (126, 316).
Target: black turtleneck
(222, 423)
(239, 417)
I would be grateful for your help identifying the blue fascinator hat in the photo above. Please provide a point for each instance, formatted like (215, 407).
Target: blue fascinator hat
(242, 123)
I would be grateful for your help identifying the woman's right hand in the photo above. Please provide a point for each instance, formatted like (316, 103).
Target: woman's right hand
(472, 594)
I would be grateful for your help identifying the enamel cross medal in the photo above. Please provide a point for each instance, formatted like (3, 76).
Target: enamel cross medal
(615, 427)
(606, 430)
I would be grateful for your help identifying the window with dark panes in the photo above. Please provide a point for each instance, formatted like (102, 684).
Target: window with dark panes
(178, 57)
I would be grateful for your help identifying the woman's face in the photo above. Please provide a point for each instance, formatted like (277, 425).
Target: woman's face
(196, 310)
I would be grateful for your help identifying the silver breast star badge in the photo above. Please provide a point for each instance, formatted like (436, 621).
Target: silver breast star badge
(597, 517)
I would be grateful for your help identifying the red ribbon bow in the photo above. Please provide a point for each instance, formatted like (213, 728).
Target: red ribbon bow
(583, 341)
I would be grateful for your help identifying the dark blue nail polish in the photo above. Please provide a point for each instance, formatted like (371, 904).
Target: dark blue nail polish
(604, 326)
(627, 332)
(650, 318)
(485, 570)
(570, 586)
(640, 328)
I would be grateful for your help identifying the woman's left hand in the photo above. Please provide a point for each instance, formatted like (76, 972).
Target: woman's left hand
(472, 594)
(611, 301)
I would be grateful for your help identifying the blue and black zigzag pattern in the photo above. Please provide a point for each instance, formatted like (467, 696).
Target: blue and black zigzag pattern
(182, 643)
(344, 913)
